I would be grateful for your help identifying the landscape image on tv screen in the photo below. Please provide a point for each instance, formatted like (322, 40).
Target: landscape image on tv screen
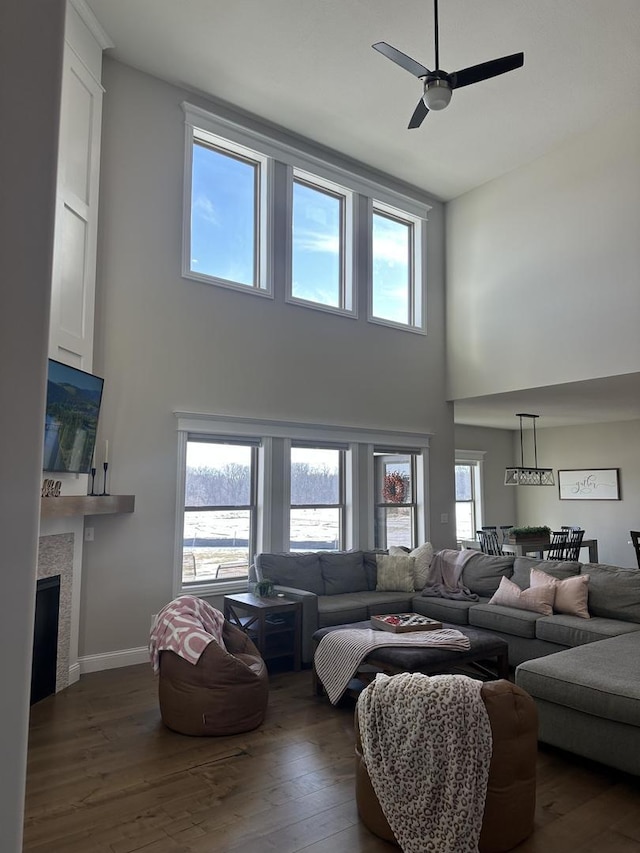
(71, 420)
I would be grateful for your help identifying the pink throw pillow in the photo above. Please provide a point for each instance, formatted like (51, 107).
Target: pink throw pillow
(572, 593)
(538, 599)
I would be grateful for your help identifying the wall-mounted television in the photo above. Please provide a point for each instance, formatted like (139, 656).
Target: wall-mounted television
(71, 418)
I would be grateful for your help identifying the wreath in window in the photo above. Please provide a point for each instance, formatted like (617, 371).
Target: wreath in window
(394, 489)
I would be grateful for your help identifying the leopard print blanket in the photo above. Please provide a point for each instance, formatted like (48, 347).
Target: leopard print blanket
(426, 743)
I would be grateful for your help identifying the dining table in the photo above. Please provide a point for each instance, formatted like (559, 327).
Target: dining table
(541, 546)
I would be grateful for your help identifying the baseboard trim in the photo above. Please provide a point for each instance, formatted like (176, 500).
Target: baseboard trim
(74, 673)
(113, 660)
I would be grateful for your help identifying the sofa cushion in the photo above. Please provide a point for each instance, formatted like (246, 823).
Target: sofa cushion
(482, 573)
(613, 592)
(601, 679)
(343, 572)
(574, 631)
(444, 609)
(570, 594)
(300, 570)
(556, 568)
(395, 573)
(508, 620)
(371, 567)
(340, 609)
(386, 602)
(539, 598)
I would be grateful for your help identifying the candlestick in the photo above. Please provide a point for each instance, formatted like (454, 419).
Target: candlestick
(104, 491)
(93, 480)
(106, 451)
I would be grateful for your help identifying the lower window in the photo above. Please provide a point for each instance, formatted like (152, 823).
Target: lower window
(395, 477)
(219, 511)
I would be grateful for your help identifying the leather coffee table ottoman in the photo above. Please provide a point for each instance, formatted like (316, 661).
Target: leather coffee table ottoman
(485, 647)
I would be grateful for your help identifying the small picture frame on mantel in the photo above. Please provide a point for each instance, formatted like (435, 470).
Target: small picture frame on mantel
(589, 484)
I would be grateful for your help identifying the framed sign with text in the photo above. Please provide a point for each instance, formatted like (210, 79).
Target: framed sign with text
(589, 484)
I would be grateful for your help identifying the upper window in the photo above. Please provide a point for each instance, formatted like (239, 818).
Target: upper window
(395, 481)
(396, 269)
(468, 494)
(225, 242)
(317, 499)
(219, 511)
(320, 244)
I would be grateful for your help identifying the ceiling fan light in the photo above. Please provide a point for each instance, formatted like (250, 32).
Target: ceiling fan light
(437, 94)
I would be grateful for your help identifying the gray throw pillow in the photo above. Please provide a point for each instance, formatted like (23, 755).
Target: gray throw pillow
(614, 593)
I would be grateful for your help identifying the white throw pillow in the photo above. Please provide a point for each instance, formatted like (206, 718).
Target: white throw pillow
(422, 556)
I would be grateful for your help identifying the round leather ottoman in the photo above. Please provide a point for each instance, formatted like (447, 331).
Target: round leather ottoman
(511, 790)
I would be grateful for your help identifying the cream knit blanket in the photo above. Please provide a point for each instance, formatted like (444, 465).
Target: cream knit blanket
(340, 652)
(426, 743)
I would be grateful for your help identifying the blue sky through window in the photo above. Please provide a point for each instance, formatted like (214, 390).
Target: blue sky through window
(316, 245)
(391, 245)
(223, 203)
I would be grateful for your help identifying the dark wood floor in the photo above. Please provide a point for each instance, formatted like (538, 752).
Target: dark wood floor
(105, 776)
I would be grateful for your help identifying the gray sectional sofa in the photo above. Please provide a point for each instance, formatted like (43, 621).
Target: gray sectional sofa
(583, 673)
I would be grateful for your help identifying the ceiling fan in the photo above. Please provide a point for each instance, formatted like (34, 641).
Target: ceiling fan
(438, 85)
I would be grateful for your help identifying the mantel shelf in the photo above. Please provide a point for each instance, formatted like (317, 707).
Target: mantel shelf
(73, 505)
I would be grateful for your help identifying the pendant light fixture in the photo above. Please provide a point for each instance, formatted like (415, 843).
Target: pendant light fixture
(523, 476)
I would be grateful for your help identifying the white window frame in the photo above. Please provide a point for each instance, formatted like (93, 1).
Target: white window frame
(347, 305)
(417, 284)
(342, 490)
(252, 507)
(274, 480)
(282, 157)
(475, 458)
(263, 279)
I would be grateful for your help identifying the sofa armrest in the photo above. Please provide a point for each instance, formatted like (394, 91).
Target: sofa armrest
(309, 617)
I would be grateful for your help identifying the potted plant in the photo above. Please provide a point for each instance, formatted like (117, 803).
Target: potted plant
(541, 533)
(264, 588)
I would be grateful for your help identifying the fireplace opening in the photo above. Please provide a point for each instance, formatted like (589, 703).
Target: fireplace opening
(45, 639)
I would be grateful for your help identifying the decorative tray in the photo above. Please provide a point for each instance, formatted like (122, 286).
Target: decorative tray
(400, 623)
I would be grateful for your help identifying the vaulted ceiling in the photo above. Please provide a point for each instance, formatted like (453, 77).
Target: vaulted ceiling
(308, 65)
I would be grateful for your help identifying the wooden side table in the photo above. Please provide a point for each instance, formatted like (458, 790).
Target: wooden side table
(274, 624)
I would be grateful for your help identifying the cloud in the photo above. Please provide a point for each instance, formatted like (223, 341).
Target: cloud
(206, 210)
(315, 241)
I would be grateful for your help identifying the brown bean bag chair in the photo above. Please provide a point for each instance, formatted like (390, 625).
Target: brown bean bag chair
(225, 693)
(511, 791)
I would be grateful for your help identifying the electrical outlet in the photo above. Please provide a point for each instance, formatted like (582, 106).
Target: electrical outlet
(444, 518)
(88, 534)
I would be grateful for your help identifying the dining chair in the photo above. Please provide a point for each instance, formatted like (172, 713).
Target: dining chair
(557, 545)
(574, 543)
(504, 531)
(489, 543)
(570, 527)
(635, 538)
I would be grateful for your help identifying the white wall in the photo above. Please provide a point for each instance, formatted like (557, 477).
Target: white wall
(30, 74)
(164, 343)
(542, 268)
(613, 445)
(498, 500)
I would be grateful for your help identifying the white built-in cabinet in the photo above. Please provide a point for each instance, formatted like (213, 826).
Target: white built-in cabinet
(76, 225)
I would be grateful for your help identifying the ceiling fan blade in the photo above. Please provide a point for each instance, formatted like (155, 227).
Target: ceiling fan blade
(419, 115)
(485, 70)
(401, 59)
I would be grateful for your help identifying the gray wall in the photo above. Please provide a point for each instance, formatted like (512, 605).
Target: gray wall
(32, 57)
(613, 445)
(164, 343)
(542, 268)
(499, 501)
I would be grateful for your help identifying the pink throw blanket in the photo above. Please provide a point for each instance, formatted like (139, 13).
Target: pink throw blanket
(185, 626)
(445, 575)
